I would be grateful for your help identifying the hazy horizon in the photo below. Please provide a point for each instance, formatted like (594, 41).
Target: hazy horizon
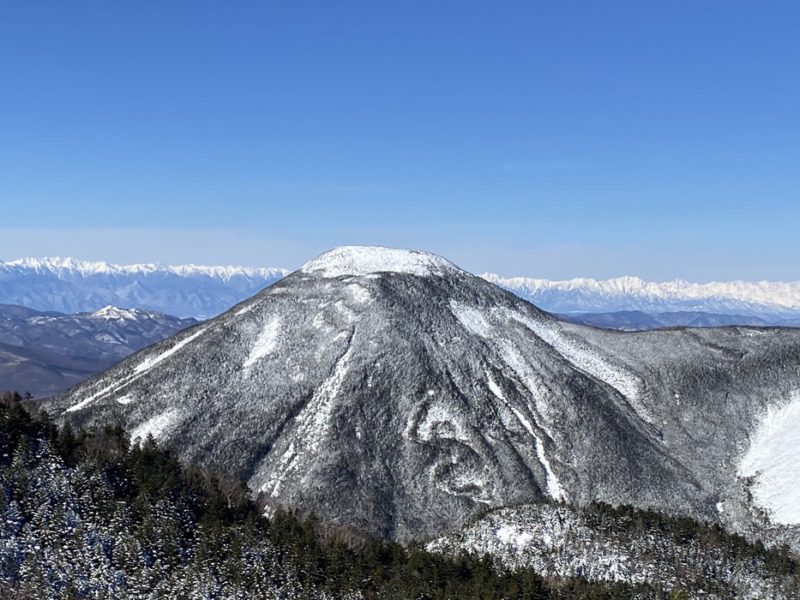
(551, 140)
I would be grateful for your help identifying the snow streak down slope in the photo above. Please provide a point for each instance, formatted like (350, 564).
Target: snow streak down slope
(395, 392)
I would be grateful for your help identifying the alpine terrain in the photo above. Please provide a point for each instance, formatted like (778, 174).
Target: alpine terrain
(69, 285)
(46, 353)
(392, 391)
(773, 302)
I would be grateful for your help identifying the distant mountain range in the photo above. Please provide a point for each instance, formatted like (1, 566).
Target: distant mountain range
(46, 352)
(773, 302)
(636, 320)
(68, 285)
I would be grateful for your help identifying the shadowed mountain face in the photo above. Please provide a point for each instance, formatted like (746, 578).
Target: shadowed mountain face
(395, 392)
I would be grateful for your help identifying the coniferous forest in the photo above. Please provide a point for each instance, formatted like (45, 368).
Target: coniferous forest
(86, 514)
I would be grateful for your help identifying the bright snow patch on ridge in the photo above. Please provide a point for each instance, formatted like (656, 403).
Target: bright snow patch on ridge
(151, 361)
(365, 260)
(112, 312)
(86, 401)
(773, 457)
(147, 364)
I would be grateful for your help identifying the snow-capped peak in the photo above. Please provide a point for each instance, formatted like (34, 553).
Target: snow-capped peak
(112, 312)
(365, 260)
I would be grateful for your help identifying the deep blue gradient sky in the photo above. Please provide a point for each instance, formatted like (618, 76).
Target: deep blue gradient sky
(546, 139)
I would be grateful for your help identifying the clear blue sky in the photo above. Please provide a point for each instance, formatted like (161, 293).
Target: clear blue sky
(547, 139)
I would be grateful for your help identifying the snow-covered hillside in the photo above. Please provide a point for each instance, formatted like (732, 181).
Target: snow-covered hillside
(601, 543)
(70, 286)
(397, 393)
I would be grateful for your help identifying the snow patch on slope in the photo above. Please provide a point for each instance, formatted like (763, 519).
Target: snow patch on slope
(513, 536)
(86, 401)
(554, 487)
(359, 293)
(266, 343)
(365, 260)
(157, 426)
(773, 458)
(471, 319)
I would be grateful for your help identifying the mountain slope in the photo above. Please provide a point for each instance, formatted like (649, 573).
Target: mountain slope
(45, 353)
(393, 391)
(70, 286)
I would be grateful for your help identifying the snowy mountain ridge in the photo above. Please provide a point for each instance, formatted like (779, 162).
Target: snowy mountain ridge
(634, 293)
(69, 285)
(73, 266)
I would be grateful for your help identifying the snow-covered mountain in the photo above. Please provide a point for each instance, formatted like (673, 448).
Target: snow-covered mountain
(769, 300)
(68, 285)
(45, 353)
(393, 391)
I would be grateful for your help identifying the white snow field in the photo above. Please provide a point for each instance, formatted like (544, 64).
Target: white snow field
(365, 260)
(774, 459)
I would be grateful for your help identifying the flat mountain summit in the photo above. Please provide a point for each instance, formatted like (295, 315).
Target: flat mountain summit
(393, 391)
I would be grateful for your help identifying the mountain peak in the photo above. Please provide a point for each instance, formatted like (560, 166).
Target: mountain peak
(366, 260)
(112, 312)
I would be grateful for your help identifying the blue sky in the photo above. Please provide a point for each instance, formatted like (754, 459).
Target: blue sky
(546, 139)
